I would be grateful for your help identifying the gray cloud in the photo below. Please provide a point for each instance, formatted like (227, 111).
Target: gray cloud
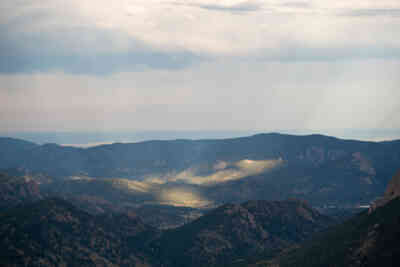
(31, 52)
(99, 64)
(43, 52)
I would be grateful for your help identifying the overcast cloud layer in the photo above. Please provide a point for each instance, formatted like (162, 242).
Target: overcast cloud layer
(198, 64)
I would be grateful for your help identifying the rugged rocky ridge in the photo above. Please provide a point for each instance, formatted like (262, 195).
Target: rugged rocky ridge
(235, 233)
(53, 232)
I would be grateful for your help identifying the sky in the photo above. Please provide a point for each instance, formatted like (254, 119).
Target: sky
(171, 65)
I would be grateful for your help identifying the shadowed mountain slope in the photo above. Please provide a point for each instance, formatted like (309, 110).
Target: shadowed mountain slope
(366, 240)
(369, 239)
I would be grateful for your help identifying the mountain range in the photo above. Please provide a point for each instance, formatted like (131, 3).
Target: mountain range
(323, 170)
(55, 232)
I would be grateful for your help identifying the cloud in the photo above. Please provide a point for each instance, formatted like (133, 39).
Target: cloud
(372, 12)
(247, 6)
(297, 4)
(98, 52)
(119, 36)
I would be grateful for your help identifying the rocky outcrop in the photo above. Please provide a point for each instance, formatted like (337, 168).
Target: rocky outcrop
(393, 189)
(392, 192)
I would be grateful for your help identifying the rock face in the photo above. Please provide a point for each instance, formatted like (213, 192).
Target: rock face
(392, 192)
(238, 232)
(393, 189)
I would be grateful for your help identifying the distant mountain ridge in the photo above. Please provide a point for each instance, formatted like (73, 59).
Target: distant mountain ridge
(176, 154)
(317, 168)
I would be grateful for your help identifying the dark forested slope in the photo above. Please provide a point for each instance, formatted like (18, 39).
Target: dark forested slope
(53, 232)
